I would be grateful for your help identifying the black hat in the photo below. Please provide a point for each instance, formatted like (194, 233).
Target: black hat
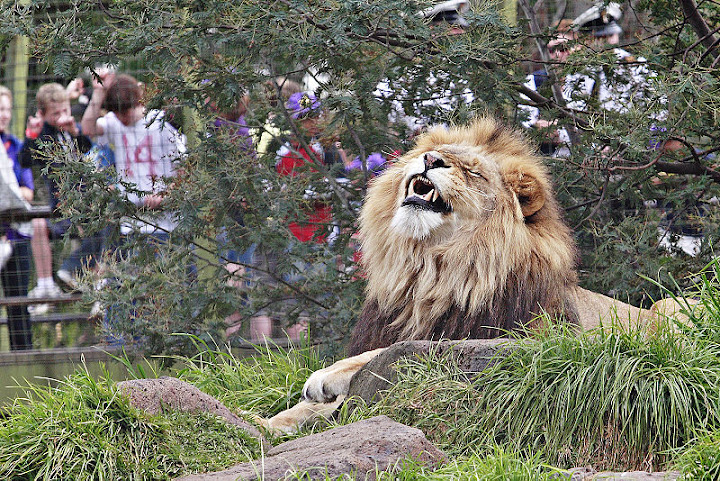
(600, 20)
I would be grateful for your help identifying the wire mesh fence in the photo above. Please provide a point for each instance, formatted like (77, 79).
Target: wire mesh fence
(41, 254)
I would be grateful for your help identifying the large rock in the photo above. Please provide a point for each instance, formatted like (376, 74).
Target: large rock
(635, 476)
(155, 395)
(361, 448)
(379, 374)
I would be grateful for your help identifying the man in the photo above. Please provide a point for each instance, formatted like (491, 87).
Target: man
(618, 87)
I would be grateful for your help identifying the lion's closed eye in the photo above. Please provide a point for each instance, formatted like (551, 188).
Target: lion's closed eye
(477, 174)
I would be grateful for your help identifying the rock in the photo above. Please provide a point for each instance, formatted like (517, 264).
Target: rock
(635, 476)
(155, 395)
(589, 474)
(361, 448)
(379, 374)
(579, 474)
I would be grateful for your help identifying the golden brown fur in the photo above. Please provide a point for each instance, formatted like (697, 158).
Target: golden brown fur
(502, 256)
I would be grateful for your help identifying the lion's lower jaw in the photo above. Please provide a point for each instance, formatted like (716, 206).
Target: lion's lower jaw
(416, 223)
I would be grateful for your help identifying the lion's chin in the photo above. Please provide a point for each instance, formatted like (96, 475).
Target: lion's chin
(416, 223)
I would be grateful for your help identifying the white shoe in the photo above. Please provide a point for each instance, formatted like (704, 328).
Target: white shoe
(67, 278)
(96, 309)
(5, 252)
(38, 309)
(47, 291)
(39, 292)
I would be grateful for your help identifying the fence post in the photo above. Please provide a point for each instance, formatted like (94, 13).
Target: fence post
(16, 68)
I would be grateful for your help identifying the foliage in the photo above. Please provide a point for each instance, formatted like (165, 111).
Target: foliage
(83, 429)
(498, 465)
(700, 460)
(189, 52)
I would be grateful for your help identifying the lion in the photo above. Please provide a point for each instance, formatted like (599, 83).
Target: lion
(462, 238)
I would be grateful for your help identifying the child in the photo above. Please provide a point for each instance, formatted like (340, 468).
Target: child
(146, 147)
(59, 127)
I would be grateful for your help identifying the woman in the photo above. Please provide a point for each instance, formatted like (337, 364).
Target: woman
(15, 273)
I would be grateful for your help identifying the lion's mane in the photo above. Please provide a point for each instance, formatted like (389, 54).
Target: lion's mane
(502, 255)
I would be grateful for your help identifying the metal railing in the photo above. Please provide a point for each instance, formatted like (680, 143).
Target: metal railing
(58, 318)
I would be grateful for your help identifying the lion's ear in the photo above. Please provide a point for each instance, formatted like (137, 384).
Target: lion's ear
(529, 190)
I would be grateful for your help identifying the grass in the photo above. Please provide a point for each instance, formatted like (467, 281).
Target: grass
(83, 430)
(267, 383)
(700, 460)
(614, 400)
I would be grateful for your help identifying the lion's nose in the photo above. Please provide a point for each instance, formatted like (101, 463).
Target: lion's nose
(432, 162)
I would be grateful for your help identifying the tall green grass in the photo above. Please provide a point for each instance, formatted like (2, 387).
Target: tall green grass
(83, 429)
(612, 400)
(266, 383)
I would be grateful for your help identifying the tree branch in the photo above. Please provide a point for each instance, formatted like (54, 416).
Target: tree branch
(697, 22)
(687, 168)
(544, 53)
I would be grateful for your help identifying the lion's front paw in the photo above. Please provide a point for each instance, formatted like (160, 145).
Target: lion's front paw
(327, 384)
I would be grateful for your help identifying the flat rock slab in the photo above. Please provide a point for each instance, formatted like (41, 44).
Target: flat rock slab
(155, 395)
(634, 476)
(589, 474)
(379, 374)
(360, 448)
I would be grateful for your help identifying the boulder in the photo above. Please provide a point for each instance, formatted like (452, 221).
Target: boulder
(155, 395)
(360, 448)
(379, 374)
(635, 476)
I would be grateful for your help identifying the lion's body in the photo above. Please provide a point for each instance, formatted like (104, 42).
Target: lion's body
(462, 238)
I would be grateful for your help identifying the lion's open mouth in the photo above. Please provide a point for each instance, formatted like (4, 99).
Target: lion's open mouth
(421, 193)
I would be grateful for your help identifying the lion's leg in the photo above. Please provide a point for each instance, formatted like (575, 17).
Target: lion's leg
(304, 412)
(671, 310)
(323, 392)
(326, 384)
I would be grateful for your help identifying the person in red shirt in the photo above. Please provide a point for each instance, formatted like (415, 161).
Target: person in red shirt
(306, 109)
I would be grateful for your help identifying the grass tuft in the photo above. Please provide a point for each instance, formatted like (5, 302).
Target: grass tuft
(612, 400)
(266, 383)
(83, 429)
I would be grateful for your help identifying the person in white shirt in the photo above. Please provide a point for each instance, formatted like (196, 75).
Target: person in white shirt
(628, 84)
(438, 91)
(146, 147)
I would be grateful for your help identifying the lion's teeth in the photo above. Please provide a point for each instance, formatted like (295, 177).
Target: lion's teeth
(434, 195)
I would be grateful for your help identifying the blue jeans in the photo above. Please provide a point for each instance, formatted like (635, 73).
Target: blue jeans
(87, 254)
